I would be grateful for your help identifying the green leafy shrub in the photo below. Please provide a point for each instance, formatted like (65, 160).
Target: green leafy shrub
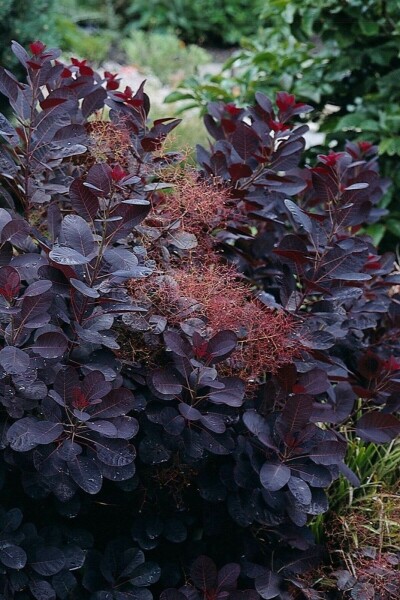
(87, 28)
(163, 54)
(346, 54)
(221, 22)
(16, 22)
(76, 40)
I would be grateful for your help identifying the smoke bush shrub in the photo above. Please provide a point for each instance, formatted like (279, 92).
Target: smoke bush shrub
(179, 349)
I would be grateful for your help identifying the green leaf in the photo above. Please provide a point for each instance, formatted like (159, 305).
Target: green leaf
(376, 231)
(393, 225)
(176, 96)
(369, 27)
(390, 146)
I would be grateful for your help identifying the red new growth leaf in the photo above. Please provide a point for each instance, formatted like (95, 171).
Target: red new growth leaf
(330, 159)
(364, 146)
(9, 282)
(79, 400)
(277, 126)
(126, 94)
(66, 73)
(285, 101)
(232, 109)
(117, 173)
(392, 364)
(84, 69)
(128, 97)
(112, 81)
(373, 262)
(37, 48)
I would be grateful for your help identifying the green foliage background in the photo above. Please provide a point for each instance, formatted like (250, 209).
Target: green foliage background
(25, 22)
(340, 53)
(221, 22)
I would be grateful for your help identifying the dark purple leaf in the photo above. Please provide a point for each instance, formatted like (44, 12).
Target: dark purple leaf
(71, 133)
(264, 103)
(85, 472)
(356, 186)
(105, 428)
(84, 289)
(338, 410)
(220, 346)
(20, 53)
(315, 475)
(38, 288)
(297, 412)
(318, 340)
(7, 131)
(268, 585)
(95, 386)
(313, 382)
(15, 231)
(165, 382)
(171, 420)
(293, 248)
(203, 573)
(47, 561)
(42, 590)
(328, 453)
(13, 360)
(182, 240)
(67, 256)
(34, 307)
(117, 403)
(299, 216)
(178, 344)
(189, 412)
(83, 200)
(99, 176)
(12, 556)
(349, 474)
(228, 576)
(115, 453)
(274, 476)
(377, 427)
(145, 574)
(259, 427)
(51, 345)
(9, 86)
(239, 170)
(300, 490)
(126, 218)
(303, 561)
(93, 101)
(76, 233)
(66, 380)
(28, 432)
(64, 584)
(213, 422)
(245, 140)
(232, 394)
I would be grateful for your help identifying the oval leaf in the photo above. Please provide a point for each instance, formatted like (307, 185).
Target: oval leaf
(13, 360)
(274, 476)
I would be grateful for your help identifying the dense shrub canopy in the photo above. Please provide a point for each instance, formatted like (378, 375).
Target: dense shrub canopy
(179, 349)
